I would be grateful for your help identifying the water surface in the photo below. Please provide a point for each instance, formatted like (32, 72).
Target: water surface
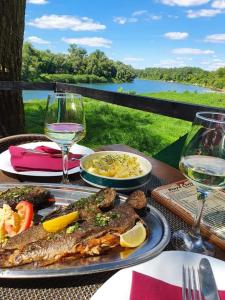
(138, 85)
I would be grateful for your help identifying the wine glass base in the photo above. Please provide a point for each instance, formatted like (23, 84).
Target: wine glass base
(187, 241)
(65, 181)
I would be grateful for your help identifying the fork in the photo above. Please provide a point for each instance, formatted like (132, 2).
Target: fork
(190, 283)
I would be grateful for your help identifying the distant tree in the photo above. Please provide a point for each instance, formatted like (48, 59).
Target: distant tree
(30, 62)
(124, 73)
(76, 66)
(11, 41)
(214, 79)
(220, 72)
(77, 58)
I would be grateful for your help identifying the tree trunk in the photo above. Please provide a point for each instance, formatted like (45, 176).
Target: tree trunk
(12, 14)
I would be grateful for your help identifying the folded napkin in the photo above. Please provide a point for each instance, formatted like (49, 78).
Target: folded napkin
(24, 160)
(144, 287)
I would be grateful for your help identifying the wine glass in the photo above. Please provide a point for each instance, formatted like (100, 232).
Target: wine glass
(202, 162)
(65, 123)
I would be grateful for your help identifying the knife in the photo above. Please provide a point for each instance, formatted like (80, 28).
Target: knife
(207, 280)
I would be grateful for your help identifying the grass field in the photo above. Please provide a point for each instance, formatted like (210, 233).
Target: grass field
(110, 124)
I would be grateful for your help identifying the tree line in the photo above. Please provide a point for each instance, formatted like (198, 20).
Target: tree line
(76, 66)
(192, 75)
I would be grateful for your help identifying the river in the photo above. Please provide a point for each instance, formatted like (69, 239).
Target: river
(138, 85)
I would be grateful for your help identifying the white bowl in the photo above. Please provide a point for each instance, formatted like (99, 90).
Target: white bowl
(121, 184)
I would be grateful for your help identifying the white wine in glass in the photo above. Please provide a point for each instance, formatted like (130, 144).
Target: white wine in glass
(202, 162)
(65, 123)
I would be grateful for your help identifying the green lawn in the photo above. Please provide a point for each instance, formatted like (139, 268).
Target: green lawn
(110, 124)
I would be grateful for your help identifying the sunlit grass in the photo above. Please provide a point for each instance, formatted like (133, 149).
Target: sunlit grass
(111, 124)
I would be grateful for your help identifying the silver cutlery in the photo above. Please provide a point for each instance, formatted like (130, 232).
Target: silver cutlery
(191, 289)
(207, 280)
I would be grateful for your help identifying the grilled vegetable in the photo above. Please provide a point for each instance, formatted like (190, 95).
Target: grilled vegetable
(38, 196)
(26, 213)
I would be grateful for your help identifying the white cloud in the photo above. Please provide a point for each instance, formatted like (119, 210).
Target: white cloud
(184, 2)
(220, 4)
(37, 1)
(191, 51)
(176, 35)
(124, 20)
(139, 13)
(170, 63)
(89, 41)
(172, 16)
(66, 22)
(133, 59)
(217, 60)
(214, 65)
(37, 40)
(215, 38)
(154, 17)
(203, 13)
(120, 20)
(136, 15)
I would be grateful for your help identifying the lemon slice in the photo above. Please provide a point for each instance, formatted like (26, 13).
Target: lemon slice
(133, 237)
(61, 222)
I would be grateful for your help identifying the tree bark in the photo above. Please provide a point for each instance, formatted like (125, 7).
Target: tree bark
(11, 42)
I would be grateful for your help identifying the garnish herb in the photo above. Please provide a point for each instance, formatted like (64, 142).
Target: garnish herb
(72, 228)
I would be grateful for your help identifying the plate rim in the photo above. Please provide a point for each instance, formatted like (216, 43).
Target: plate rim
(90, 269)
(125, 275)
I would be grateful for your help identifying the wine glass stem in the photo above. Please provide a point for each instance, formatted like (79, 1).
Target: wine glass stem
(65, 154)
(201, 197)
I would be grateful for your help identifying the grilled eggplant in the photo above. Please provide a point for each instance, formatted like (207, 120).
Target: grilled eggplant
(38, 196)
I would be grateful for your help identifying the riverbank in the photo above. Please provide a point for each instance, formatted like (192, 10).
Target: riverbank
(210, 88)
(190, 75)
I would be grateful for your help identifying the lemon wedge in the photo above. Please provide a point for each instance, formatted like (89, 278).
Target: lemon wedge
(61, 222)
(133, 237)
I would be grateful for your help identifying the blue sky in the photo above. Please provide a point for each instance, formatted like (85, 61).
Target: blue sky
(144, 33)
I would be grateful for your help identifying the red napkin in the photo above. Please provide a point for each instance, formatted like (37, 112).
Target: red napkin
(23, 160)
(144, 287)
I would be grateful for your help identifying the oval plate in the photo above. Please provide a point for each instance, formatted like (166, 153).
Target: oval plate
(114, 259)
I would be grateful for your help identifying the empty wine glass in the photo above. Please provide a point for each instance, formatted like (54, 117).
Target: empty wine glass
(65, 123)
(203, 162)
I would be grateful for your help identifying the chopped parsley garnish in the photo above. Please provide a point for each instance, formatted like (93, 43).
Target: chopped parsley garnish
(72, 228)
(114, 215)
(101, 220)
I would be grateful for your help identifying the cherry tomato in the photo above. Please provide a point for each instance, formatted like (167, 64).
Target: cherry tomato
(26, 213)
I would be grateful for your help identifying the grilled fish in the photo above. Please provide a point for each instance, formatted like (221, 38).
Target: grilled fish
(38, 196)
(93, 237)
(87, 207)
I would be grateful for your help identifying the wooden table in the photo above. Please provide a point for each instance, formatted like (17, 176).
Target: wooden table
(84, 285)
(160, 170)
